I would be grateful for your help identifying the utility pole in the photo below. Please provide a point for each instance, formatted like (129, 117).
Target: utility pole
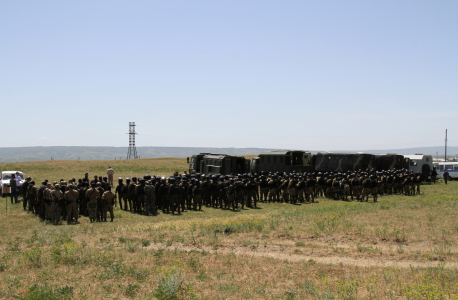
(446, 145)
(132, 152)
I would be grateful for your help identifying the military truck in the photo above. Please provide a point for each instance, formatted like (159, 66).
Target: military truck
(342, 162)
(194, 164)
(389, 161)
(224, 164)
(282, 161)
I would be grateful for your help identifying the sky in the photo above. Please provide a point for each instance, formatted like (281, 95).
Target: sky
(310, 75)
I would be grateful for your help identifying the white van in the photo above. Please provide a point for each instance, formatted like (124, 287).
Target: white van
(5, 180)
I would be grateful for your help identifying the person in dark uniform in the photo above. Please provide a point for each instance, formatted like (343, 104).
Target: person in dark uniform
(434, 175)
(446, 175)
(13, 188)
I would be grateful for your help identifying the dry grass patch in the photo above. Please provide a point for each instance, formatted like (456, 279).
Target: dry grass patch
(402, 247)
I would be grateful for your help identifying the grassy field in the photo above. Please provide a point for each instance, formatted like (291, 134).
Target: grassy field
(398, 248)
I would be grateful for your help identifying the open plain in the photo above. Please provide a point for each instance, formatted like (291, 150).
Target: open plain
(399, 248)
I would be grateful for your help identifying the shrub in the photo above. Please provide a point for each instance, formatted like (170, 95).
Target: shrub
(131, 247)
(170, 285)
(3, 267)
(131, 290)
(66, 253)
(33, 255)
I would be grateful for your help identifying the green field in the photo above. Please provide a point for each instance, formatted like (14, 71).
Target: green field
(399, 248)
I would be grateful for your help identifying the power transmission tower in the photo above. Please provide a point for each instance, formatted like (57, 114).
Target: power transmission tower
(132, 152)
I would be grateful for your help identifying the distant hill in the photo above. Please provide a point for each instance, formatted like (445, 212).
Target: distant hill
(110, 153)
(451, 151)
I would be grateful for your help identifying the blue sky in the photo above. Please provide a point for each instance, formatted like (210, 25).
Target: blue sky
(327, 75)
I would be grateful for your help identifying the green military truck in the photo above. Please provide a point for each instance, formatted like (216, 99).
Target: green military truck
(342, 162)
(194, 164)
(282, 161)
(389, 161)
(223, 164)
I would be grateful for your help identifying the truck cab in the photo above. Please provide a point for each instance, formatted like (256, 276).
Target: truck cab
(195, 163)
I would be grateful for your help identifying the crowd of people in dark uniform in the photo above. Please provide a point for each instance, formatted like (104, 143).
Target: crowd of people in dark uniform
(148, 195)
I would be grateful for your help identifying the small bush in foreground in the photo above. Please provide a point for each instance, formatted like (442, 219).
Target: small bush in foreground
(170, 285)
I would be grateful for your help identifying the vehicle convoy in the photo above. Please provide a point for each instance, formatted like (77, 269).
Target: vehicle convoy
(282, 161)
(302, 161)
(5, 180)
(223, 164)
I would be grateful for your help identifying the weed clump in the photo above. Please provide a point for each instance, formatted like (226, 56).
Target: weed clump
(3, 267)
(300, 244)
(33, 256)
(146, 243)
(66, 253)
(170, 285)
(39, 292)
